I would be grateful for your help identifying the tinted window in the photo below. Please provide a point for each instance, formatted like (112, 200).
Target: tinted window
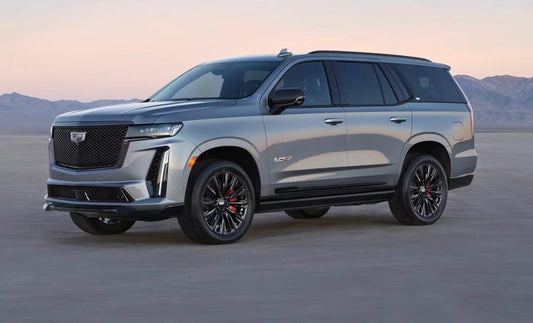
(311, 78)
(430, 84)
(232, 80)
(358, 84)
(388, 93)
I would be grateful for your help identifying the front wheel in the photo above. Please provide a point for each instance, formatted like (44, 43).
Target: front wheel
(221, 204)
(100, 226)
(422, 192)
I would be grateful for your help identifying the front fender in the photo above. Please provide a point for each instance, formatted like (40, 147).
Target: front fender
(238, 143)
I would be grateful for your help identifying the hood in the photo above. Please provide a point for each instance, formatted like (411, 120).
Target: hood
(138, 113)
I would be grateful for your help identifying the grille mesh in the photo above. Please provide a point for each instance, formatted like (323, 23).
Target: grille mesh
(89, 193)
(101, 148)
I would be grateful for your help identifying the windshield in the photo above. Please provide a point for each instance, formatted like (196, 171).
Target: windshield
(233, 80)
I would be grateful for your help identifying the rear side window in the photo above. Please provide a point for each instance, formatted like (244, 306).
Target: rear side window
(429, 84)
(358, 84)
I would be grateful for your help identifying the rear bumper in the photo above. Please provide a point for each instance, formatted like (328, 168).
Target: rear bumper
(459, 182)
(156, 210)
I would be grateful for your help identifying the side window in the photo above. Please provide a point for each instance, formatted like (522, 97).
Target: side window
(358, 84)
(388, 93)
(429, 84)
(311, 78)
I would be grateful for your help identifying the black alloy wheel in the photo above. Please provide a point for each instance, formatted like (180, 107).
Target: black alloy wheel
(224, 202)
(422, 192)
(425, 190)
(220, 203)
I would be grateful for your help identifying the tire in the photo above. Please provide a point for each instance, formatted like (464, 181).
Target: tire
(220, 203)
(100, 226)
(422, 192)
(308, 213)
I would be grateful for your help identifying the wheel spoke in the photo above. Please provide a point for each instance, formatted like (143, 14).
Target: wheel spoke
(436, 185)
(432, 204)
(217, 184)
(231, 185)
(243, 202)
(231, 220)
(208, 202)
(222, 225)
(234, 215)
(226, 182)
(418, 179)
(211, 190)
(241, 191)
(432, 175)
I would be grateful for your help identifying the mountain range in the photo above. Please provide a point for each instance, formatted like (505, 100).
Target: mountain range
(21, 114)
(502, 102)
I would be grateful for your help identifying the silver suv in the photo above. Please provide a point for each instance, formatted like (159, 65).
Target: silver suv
(293, 133)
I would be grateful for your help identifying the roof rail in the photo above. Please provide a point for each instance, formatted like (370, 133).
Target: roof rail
(364, 53)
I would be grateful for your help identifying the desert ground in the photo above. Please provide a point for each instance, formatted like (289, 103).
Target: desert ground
(355, 264)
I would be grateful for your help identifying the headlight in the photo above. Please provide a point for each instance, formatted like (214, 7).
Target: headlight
(154, 130)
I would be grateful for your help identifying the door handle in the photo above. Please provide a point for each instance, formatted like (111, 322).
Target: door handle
(333, 122)
(398, 119)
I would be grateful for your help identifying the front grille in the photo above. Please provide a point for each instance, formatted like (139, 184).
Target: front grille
(101, 148)
(89, 193)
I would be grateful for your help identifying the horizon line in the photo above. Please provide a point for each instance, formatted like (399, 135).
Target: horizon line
(138, 99)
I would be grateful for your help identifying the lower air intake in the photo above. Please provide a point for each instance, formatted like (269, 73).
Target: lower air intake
(89, 193)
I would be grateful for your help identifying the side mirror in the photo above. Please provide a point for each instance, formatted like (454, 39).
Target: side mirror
(281, 99)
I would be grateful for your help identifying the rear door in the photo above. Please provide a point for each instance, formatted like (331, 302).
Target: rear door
(378, 125)
(307, 144)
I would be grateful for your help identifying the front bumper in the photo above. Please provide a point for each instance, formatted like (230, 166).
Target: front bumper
(130, 176)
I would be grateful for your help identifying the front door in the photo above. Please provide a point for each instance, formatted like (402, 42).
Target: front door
(307, 143)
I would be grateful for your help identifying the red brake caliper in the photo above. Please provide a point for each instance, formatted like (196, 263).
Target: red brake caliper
(232, 207)
(429, 189)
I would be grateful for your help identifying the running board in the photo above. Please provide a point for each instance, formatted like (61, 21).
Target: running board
(272, 205)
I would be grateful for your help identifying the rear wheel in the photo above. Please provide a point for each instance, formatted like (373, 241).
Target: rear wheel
(422, 192)
(221, 203)
(308, 213)
(100, 226)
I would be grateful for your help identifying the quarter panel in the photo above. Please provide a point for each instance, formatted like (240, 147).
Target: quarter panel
(449, 124)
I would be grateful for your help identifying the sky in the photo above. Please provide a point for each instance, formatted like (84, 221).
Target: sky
(89, 50)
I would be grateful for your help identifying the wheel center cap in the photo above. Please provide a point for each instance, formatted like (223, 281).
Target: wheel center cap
(422, 189)
(221, 201)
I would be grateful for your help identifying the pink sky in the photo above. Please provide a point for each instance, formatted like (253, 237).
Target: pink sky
(87, 50)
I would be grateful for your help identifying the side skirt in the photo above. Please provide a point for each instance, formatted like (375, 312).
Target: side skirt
(273, 204)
